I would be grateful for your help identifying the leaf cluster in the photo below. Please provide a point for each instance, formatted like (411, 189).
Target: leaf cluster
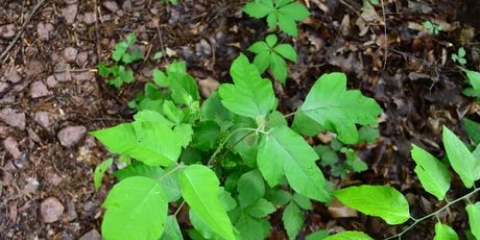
(389, 204)
(122, 55)
(232, 159)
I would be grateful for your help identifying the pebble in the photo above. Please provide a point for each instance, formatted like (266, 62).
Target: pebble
(71, 135)
(112, 6)
(7, 31)
(70, 54)
(70, 12)
(89, 18)
(38, 90)
(44, 31)
(51, 209)
(13, 118)
(42, 119)
(92, 235)
(12, 75)
(11, 145)
(62, 72)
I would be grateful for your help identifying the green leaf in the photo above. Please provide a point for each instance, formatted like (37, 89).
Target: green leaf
(259, 9)
(251, 188)
(444, 232)
(200, 189)
(136, 208)
(473, 130)
(302, 201)
(100, 171)
(172, 230)
(284, 152)
(349, 235)
(474, 78)
(251, 96)
(433, 175)
(152, 143)
(228, 202)
(259, 47)
(103, 70)
(279, 67)
(473, 212)
(332, 106)
(318, 235)
(160, 78)
(461, 159)
(293, 220)
(279, 197)
(184, 132)
(167, 179)
(380, 201)
(368, 134)
(260, 209)
(286, 51)
(271, 40)
(262, 61)
(119, 49)
(205, 135)
(252, 228)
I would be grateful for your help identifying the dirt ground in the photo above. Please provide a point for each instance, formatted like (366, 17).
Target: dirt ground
(51, 94)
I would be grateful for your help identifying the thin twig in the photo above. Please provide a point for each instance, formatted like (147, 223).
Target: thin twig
(385, 34)
(20, 32)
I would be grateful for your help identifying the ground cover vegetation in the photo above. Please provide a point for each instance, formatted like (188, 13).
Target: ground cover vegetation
(234, 160)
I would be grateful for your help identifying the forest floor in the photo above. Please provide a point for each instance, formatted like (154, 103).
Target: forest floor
(51, 94)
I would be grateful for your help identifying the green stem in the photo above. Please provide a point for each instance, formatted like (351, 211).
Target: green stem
(222, 145)
(416, 221)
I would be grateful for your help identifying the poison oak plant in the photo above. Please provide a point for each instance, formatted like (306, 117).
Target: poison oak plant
(231, 160)
(122, 55)
(389, 204)
(284, 13)
(271, 55)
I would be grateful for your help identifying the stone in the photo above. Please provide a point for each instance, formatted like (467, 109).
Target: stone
(51, 210)
(13, 118)
(44, 31)
(112, 6)
(70, 12)
(70, 54)
(11, 145)
(8, 31)
(42, 119)
(71, 135)
(92, 235)
(38, 90)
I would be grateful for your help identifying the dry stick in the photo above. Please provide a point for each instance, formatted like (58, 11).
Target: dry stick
(12, 43)
(385, 34)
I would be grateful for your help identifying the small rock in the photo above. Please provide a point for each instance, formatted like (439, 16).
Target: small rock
(62, 72)
(51, 210)
(13, 118)
(7, 31)
(11, 145)
(34, 67)
(12, 75)
(71, 135)
(83, 76)
(208, 86)
(54, 179)
(70, 12)
(33, 135)
(38, 89)
(82, 58)
(92, 235)
(70, 54)
(112, 6)
(51, 81)
(42, 119)
(89, 18)
(31, 186)
(44, 31)
(71, 1)
(71, 212)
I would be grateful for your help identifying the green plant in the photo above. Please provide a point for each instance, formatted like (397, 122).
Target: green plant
(271, 55)
(284, 13)
(330, 157)
(389, 204)
(233, 159)
(122, 55)
(431, 27)
(175, 2)
(459, 57)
